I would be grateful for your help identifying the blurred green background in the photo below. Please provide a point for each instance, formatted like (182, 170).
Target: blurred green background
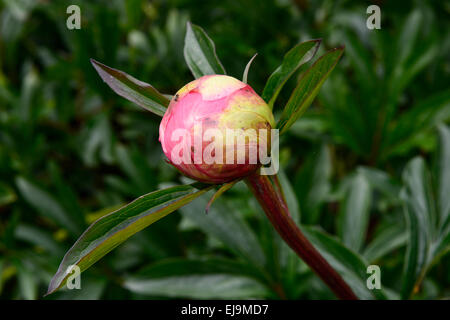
(71, 150)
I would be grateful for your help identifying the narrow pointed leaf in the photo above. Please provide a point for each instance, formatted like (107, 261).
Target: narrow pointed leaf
(199, 286)
(408, 36)
(389, 239)
(360, 58)
(289, 196)
(247, 68)
(38, 237)
(198, 278)
(292, 61)
(200, 52)
(27, 283)
(355, 213)
(351, 266)
(442, 246)
(444, 177)
(308, 88)
(381, 181)
(423, 116)
(130, 88)
(111, 230)
(416, 195)
(313, 184)
(224, 188)
(201, 265)
(228, 226)
(47, 205)
(7, 194)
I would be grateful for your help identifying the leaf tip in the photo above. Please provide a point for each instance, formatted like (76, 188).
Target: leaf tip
(95, 63)
(51, 288)
(208, 205)
(97, 66)
(247, 68)
(47, 293)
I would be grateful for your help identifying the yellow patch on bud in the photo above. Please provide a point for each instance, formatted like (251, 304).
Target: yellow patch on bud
(245, 111)
(188, 87)
(213, 88)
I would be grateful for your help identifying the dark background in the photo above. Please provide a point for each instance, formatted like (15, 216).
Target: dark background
(71, 150)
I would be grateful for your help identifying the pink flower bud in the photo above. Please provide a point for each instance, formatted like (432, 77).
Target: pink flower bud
(216, 129)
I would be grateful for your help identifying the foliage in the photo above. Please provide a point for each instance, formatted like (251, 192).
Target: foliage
(367, 170)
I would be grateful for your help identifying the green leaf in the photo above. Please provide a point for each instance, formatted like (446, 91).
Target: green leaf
(389, 239)
(416, 121)
(182, 266)
(444, 177)
(412, 55)
(417, 197)
(292, 61)
(130, 88)
(38, 237)
(308, 88)
(313, 184)
(347, 119)
(224, 188)
(442, 245)
(360, 58)
(311, 127)
(408, 36)
(66, 195)
(27, 282)
(381, 181)
(289, 194)
(423, 55)
(355, 213)
(350, 266)
(7, 195)
(46, 205)
(199, 286)
(134, 164)
(200, 52)
(97, 140)
(237, 279)
(28, 93)
(228, 226)
(247, 68)
(111, 230)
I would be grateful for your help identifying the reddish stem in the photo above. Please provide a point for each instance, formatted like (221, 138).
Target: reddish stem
(278, 215)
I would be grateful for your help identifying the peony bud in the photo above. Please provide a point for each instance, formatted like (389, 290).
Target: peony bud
(216, 129)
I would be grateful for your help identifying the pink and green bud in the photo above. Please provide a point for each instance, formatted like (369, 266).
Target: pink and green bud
(216, 129)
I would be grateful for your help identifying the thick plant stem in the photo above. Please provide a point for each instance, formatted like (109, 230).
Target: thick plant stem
(277, 212)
